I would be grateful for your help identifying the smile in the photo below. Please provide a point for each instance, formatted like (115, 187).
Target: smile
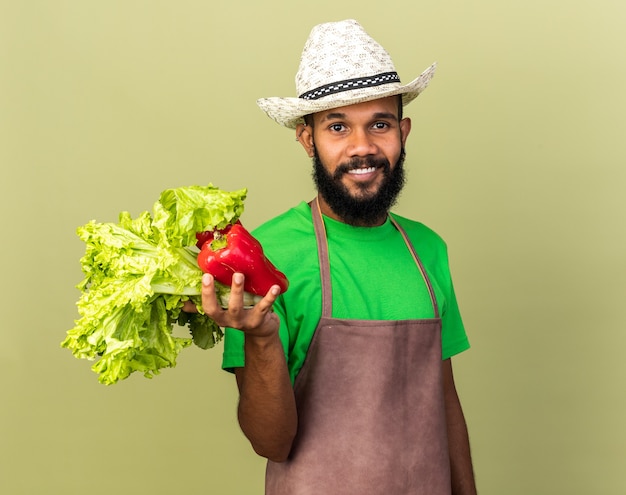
(362, 171)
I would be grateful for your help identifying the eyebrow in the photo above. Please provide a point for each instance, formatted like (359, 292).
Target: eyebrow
(334, 115)
(377, 115)
(386, 115)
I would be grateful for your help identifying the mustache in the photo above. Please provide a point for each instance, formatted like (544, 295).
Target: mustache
(361, 162)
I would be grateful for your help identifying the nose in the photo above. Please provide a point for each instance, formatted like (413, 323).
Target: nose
(361, 143)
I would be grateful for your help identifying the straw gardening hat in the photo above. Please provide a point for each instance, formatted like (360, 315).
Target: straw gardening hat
(341, 65)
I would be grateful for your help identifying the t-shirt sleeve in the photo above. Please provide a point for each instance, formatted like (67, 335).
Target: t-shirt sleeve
(434, 252)
(233, 356)
(453, 336)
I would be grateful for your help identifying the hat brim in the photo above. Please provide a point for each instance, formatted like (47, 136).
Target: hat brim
(290, 112)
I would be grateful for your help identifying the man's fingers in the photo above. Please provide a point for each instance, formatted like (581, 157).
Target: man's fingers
(265, 304)
(210, 304)
(189, 307)
(255, 320)
(235, 303)
(234, 314)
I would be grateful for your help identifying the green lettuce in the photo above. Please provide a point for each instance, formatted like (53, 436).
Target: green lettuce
(138, 273)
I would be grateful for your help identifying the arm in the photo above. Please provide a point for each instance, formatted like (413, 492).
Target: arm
(458, 440)
(267, 409)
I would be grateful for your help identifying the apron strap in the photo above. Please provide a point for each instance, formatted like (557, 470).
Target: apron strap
(322, 249)
(419, 264)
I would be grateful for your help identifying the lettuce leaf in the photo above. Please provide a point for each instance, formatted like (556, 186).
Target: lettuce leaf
(138, 273)
(192, 209)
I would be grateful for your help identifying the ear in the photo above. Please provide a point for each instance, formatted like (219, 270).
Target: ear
(304, 135)
(405, 129)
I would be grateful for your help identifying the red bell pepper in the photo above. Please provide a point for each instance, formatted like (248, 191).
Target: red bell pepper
(235, 250)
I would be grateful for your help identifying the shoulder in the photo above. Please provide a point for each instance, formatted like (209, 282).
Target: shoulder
(288, 234)
(428, 244)
(420, 233)
(286, 227)
(296, 218)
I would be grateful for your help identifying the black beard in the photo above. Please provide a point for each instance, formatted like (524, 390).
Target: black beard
(360, 210)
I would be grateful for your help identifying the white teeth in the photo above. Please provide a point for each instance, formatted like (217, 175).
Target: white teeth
(359, 171)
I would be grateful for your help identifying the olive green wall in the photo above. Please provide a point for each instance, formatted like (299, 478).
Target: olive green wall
(516, 157)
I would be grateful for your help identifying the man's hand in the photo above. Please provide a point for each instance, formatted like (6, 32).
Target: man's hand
(258, 321)
(267, 409)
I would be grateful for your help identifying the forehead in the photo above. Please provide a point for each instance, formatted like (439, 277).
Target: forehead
(368, 109)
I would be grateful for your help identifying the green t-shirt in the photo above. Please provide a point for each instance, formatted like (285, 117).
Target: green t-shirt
(373, 277)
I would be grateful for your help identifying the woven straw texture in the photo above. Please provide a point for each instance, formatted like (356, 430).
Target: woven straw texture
(341, 65)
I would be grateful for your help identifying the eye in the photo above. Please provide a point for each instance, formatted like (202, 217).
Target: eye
(380, 125)
(337, 127)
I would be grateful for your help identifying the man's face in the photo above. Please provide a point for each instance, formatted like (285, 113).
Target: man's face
(361, 209)
(358, 152)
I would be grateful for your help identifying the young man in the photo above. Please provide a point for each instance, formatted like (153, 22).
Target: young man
(345, 380)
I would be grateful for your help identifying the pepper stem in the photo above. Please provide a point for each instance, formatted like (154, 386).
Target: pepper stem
(219, 241)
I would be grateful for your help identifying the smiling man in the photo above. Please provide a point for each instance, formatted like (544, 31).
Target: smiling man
(359, 172)
(345, 380)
